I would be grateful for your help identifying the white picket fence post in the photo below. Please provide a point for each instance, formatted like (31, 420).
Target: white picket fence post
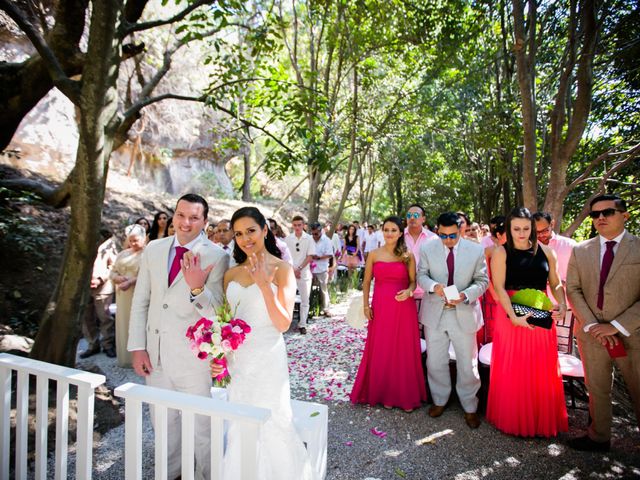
(250, 419)
(64, 377)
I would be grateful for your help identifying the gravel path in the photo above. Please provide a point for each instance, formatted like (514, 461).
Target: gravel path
(323, 365)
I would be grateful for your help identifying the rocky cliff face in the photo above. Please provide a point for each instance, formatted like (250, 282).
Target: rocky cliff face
(176, 138)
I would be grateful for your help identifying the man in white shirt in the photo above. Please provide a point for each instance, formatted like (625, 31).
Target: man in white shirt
(302, 248)
(361, 232)
(604, 291)
(320, 265)
(563, 246)
(370, 240)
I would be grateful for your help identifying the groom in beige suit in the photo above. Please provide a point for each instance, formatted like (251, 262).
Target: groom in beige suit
(180, 281)
(603, 285)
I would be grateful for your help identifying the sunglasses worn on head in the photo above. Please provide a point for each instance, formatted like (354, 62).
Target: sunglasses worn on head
(413, 215)
(607, 212)
(444, 236)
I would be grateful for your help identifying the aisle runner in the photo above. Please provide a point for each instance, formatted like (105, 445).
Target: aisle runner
(324, 362)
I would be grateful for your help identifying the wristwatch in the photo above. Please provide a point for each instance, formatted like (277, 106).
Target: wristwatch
(197, 291)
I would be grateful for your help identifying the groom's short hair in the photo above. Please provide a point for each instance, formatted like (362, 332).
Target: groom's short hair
(195, 198)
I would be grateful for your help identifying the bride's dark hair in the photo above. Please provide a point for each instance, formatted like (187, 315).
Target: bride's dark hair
(269, 241)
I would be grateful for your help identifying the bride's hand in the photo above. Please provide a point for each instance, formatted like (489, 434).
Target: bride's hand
(259, 272)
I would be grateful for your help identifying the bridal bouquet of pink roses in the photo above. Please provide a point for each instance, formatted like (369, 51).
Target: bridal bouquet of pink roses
(213, 339)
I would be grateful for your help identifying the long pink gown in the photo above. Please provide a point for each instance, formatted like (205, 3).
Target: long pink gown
(390, 372)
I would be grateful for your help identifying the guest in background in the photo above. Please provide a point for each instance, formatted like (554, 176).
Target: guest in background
(225, 235)
(336, 245)
(415, 235)
(490, 301)
(475, 234)
(98, 326)
(145, 224)
(491, 240)
(391, 372)
(361, 232)
(302, 248)
(351, 250)
(159, 226)
(604, 289)
(466, 224)
(370, 240)
(280, 243)
(461, 263)
(124, 275)
(170, 228)
(211, 232)
(486, 230)
(563, 246)
(526, 396)
(277, 229)
(320, 264)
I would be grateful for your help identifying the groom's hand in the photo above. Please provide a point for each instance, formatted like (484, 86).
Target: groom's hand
(192, 270)
(141, 362)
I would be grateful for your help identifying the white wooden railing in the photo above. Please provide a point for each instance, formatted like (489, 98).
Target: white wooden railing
(250, 419)
(64, 377)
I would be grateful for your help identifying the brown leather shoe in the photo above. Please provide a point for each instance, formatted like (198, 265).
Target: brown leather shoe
(472, 420)
(436, 410)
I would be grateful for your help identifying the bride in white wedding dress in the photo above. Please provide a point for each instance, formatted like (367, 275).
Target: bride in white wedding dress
(261, 290)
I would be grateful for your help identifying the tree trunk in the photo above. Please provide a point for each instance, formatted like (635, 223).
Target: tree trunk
(246, 185)
(525, 58)
(57, 338)
(315, 178)
(348, 184)
(564, 145)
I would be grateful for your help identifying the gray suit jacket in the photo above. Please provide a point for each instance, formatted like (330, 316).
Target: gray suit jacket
(470, 277)
(161, 314)
(621, 290)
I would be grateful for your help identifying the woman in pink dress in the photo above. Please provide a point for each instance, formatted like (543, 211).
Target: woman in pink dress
(526, 396)
(391, 372)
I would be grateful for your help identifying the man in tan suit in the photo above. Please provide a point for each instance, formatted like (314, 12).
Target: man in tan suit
(180, 281)
(603, 285)
(98, 327)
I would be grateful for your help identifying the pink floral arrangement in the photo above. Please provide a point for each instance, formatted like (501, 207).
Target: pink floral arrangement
(213, 339)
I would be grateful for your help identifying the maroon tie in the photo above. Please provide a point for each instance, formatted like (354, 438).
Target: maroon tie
(450, 267)
(175, 266)
(607, 260)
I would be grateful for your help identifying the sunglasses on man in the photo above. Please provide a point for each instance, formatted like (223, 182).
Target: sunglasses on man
(607, 212)
(415, 215)
(451, 236)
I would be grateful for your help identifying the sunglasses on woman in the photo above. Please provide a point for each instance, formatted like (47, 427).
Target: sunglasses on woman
(607, 212)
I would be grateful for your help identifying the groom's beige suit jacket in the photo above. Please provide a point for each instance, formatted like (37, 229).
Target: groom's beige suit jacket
(161, 314)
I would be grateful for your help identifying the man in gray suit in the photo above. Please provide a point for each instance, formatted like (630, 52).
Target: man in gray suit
(459, 262)
(603, 286)
(180, 281)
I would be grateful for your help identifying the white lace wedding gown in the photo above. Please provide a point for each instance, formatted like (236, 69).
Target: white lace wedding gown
(260, 377)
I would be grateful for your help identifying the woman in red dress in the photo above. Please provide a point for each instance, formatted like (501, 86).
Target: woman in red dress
(526, 396)
(390, 372)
